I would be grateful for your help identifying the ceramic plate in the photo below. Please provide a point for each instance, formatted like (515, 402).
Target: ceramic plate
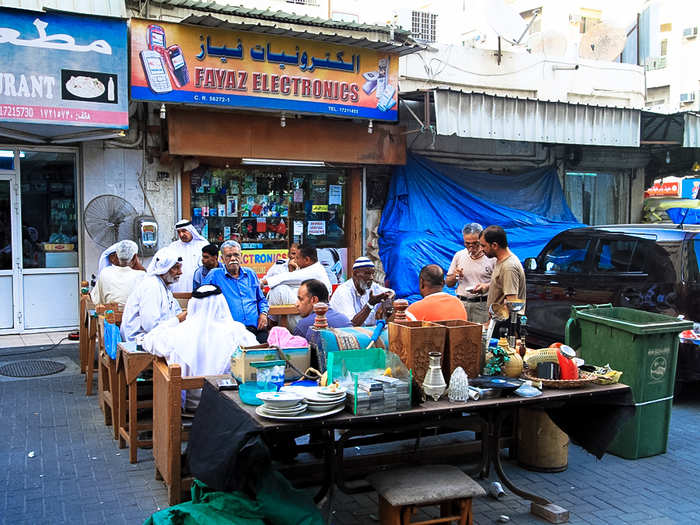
(297, 389)
(325, 408)
(313, 415)
(279, 399)
(275, 410)
(318, 398)
(327, 391)
(284, 412)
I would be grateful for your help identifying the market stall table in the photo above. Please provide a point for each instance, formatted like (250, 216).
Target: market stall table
(591, 415)
(130, 364)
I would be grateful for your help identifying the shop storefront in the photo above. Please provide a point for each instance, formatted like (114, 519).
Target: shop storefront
(276, 169)
(64, 82)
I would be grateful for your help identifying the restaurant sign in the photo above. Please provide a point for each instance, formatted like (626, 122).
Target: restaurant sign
(63, 69)
(215, 67)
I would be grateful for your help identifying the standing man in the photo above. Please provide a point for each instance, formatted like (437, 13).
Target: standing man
(357, 297)
(241, 290)
(284, 265)
(508, 278)
(210, 260)
(116, 281)
(188, 246)
(471, 267)
(436, 305)
(152, 303)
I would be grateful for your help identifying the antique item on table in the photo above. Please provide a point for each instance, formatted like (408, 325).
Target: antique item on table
(585, 378)
(567, 368)
(413, 341)
(320, 322)
(434, 383)
(400, 306)
(514, 307)
(522, 348)
(547, 370)
(604, 374)
(459, 386)
(463, 347)
(497, 312)
(505, 360)
(499, 384)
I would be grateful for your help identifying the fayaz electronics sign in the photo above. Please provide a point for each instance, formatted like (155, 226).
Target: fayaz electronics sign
(208, 66)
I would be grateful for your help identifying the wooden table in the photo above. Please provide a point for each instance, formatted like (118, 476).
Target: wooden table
(283, 311)
(345, 430)
(89, 349)
(130, 364)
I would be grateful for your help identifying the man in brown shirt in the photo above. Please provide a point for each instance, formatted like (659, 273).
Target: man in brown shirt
(508, 278)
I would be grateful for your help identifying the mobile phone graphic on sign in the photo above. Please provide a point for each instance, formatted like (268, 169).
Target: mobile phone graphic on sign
(177, 66)
(156, 38)
(155, 71)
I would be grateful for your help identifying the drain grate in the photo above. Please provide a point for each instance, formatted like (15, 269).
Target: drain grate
(32, 368)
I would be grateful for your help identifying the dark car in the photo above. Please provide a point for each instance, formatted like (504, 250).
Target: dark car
(653, 267)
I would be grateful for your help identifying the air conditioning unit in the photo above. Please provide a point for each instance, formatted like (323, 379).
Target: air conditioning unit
(653, 63)
(690, 32)
(687, 98)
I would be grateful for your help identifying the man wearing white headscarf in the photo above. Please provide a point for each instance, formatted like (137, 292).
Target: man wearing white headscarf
(189, 247)
(109, 258)
(357, 297)
(203, 343)
(152, 303)
(116, 282)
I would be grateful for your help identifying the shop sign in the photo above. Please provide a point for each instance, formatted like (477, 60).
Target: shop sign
(215, 67)
(690, 188)
(260, 260)
(63, 69)
(664, 189)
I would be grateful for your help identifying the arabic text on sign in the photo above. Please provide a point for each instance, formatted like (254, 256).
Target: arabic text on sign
(58, 41)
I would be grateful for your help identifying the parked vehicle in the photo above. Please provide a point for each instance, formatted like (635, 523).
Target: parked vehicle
(654, 267)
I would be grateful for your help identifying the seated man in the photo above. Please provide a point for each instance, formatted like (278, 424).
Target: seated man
(241, 290)
(109, 258)
(210, 260)
(309, 293)
(436, 305)
(152, 303)
(116, 282)
(201, 344)
(357, 297)
(284, 265)
(283, 286)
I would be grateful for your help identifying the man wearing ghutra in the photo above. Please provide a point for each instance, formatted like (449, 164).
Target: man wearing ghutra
(189, 247)
(201, 344)
(152, 303)
(109, 258)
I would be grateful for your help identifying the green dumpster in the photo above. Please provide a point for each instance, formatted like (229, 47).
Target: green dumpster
(644, 347)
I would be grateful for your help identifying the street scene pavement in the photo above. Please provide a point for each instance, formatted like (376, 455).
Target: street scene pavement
(59, 464)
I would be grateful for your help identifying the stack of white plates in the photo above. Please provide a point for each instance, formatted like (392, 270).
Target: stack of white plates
(282, 404)
(324, 399)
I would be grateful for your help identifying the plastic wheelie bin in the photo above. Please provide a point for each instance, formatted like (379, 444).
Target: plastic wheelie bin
(644, 347)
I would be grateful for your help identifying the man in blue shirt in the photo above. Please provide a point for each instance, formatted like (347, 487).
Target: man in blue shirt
(310, 292)
(241, 289)
(210, 260)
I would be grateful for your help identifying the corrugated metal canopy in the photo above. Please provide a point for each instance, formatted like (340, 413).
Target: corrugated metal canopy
(111, 8)
(377, 45)
(691, 131)
(477, 115)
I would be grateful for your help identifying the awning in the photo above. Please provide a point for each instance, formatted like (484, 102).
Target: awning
(478, 115)
(674, 129)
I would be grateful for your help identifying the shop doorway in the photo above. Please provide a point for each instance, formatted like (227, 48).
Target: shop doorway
(38, 240)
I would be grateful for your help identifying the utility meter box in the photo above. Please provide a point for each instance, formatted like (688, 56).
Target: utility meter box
(146, 235)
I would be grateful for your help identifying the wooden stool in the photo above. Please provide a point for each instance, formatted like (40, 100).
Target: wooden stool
(401, 491)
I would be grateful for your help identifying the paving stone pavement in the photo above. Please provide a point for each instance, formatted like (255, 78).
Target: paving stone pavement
(59, 464)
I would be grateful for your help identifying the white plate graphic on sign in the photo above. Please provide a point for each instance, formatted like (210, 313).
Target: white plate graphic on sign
(85, 87)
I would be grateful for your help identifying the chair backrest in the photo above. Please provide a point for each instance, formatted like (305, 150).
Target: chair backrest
(182, 298)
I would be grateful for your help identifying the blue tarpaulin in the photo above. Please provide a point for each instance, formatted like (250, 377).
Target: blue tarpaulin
(684, 215)
(429, 202)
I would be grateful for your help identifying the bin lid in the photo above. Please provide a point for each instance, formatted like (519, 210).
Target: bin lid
(632, 320)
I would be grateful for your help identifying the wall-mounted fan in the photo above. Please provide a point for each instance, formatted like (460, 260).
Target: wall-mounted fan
(108, 219)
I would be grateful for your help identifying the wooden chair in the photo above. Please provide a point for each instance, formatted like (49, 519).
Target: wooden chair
(84, 324)
(401, 491)
(107, 373)
(168, 431)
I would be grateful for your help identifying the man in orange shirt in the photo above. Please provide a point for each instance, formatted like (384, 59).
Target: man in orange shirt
(436, 305)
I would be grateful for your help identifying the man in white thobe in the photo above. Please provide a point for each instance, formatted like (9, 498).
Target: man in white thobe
(116, 282)
(109, 258)
(152, 303)
(284, 286)
(357, 297)
(203, 343)
(284, 265)
(188, 246)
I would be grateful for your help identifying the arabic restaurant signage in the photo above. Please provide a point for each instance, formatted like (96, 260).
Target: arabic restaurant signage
(215, 67)
(63, 69)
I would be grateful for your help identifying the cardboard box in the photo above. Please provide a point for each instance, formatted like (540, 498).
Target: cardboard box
(58, 247)
(244, 355)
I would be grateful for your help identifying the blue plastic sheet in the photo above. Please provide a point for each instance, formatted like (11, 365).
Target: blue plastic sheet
(429, 202)
(684, 215)
(112, 339)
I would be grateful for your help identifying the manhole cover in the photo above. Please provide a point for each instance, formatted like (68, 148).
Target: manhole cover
(32, 368)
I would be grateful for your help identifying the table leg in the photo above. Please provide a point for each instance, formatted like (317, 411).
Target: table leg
(328, 437)
(90, 355)
(121, 392)
(283, 320)
(133, 422)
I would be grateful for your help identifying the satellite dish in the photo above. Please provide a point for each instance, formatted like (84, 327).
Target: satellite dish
(507, 24)
(602, 42)
(551, 43)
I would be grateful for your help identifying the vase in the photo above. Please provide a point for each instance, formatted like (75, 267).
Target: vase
(514, 366)
(434, 383)
(459, 386)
